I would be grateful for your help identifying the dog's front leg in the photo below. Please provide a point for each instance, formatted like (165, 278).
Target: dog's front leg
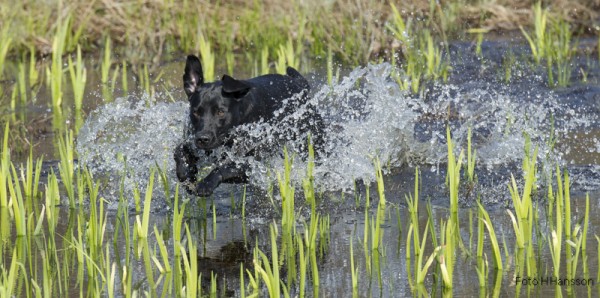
(230, 173)
(185, 163)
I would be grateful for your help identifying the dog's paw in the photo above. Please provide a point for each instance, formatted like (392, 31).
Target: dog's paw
(205, 188)
(182, 173)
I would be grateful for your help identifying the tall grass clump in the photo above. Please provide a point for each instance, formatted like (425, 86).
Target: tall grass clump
(373, 228)
(78, 74)
(551, 40)
(10, 278)
(485, 218)
(191, 288)
(66, 150)
(34, 74)
(96, 227)
(54, 74)
(523, 223)
(269, 270)
(52, 201)
(106, 61)
(21, 83)
(559, 53)
(447, 256)
(5, 43)
(17, 202)
(331, 78)
(264, 61)
(30, 176)
(563, 212)
(538, 40)
(207, 56)
(288, 218)
(353, 271)
(423, 58)
(378, 233)
(454, 166)
(5, 167)
(286, 56)
(577, 242)
(420, 268)
(413, 209)
(143, 222)
(471, 158)
(479, 33)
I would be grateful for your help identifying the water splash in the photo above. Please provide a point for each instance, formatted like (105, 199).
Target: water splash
(365, 115)
(129, 136)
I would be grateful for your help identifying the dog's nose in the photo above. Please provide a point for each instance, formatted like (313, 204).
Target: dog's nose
(203, 139)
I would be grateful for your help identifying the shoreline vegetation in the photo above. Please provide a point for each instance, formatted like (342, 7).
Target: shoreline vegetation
(355, 32)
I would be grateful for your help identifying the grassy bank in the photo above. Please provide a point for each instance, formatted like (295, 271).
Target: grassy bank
(355, 31)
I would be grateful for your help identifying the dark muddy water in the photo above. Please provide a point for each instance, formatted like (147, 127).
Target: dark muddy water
(367, 115)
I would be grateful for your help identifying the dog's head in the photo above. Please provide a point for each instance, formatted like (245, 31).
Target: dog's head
(215, 107)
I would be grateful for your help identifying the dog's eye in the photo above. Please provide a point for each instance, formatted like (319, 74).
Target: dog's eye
(220, 113)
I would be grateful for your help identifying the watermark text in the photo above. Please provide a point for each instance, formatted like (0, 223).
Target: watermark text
(553, 281)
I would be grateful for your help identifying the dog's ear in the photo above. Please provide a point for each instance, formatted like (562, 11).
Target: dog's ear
(193, 77)
(234, 87)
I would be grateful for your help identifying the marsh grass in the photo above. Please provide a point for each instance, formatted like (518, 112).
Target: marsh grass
(30, 177)
(538, 40)
(423, 57)
(331, 78)
(192, 288)
(78, 74)
(106, 61)
(143, 222)
(286, 56)
(17, 202)
(5, 167)
(106, 271)
(555, 239)
(288, 218)
(453, 176)
(447, 256)
(560, 52)
(66, 167)
(207, 57)
(508, 65)
(21, 84)
(5, 43)
(493, 239)
(551, 40)
(420, 268)
(471, 159)
(523, 224)
(269, 270)
(479, 34)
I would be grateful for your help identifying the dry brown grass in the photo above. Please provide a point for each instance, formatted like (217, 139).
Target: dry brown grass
(354, 29)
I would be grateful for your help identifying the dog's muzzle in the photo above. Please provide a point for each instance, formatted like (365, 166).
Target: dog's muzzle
(204, 140)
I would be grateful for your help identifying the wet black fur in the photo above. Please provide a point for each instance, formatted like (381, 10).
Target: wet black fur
(217, 107)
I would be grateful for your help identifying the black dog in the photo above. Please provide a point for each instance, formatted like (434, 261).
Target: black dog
(216, 108)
